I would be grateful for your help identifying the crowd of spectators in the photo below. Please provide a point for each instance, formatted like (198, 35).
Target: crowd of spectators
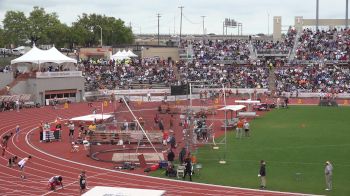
(208, 50)
(317, 46)
(313, 78)
(284, 46)
(101, 74)
(323, 45)
(235, 76)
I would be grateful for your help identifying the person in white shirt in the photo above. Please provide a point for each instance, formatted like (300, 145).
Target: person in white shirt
(328, 171)
(149, 97)
(21, 165)
(246, 128)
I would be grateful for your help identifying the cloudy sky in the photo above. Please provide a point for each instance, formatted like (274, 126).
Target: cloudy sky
(141, 14)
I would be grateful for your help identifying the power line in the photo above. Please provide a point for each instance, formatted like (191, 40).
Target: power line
(190, 20)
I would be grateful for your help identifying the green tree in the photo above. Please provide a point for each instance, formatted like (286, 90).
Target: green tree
(40, 24)
(15, 27)
(2, 38)
(113, 30)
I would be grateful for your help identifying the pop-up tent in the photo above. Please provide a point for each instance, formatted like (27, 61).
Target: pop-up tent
(131, 54)
(38, 56)
(120, 55)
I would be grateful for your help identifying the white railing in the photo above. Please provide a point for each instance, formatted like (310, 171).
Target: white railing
(61, 74)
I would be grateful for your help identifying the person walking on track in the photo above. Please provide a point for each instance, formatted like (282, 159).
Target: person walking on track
(82, 182)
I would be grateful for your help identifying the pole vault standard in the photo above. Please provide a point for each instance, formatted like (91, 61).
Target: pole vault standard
(144, 132)
(225, 124)
(224, 141)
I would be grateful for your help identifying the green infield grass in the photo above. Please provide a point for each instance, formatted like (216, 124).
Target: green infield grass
(294, 142)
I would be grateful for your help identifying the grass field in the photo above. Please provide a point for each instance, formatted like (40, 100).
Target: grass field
(295, 140)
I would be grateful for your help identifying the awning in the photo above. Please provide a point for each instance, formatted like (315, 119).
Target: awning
(92, 117)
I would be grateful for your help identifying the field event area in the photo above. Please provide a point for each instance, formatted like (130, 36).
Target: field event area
(294, 142)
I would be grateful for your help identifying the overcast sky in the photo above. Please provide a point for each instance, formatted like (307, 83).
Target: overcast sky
(253, 14)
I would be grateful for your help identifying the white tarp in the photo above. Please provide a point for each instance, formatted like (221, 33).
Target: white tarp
(233, 107)
(118, 191)
(36, 55)
(92, 117)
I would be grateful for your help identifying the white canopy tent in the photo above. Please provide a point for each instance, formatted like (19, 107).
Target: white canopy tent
(131, 54)
(57, 57)
(38, 56)
(124, 53)
(120, 56)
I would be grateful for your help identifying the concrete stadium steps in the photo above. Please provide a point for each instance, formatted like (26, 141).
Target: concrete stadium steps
(13, 84)
(272, 80)
(295, 46)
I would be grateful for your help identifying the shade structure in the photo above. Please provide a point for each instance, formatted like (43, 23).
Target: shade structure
(120, 55)
(57, 57)
(131, 54)
(233, 107)
(92, 117)
(124, 53)
(36, 55)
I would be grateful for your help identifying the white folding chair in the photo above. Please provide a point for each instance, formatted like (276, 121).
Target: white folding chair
(180, 172)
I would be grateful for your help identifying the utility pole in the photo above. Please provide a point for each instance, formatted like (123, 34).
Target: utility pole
(317, 5)
(158, 16)
(203, 24)
(268, 23)
(346, 14)
(181, 7)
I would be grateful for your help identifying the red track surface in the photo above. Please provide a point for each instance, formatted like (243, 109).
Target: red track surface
(57, 160)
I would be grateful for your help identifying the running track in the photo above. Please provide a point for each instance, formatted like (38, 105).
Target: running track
(43, 165)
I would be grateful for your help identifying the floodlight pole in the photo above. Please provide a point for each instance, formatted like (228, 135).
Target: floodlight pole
(317, 9)
(181, 7)
(346, 14)
(203, 24)
(158, 16)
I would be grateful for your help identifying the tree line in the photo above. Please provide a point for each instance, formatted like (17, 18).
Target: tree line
(44, 28)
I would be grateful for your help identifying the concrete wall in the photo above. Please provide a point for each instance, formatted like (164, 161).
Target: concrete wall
(85, 53)
(21, 88)
(5, 79)
(37, 87)
(162, 53)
